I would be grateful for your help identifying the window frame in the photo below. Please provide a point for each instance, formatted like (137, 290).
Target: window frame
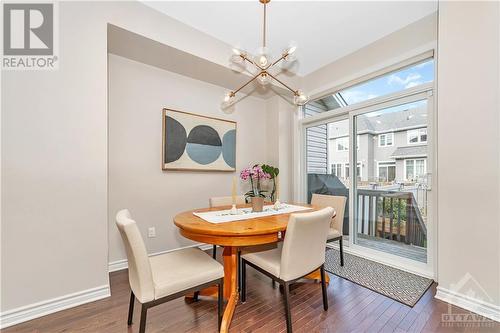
(419, 136)
(335, 166)
(414, 160)
(424, 91)
(387, 164)
(397, 65)
(346, 145)
(358, 165)
(385, 135)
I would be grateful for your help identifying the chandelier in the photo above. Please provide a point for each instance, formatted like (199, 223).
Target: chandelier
(263, 64)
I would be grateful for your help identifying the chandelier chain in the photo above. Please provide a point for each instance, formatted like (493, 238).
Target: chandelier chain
(264, 27)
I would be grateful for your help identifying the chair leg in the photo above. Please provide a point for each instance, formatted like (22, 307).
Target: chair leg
(239, 270)
(220, 300)
(243, 290)
(273, 283)
(286, 295)
(131, 308)
(144, 312)
(214, 252)
(341, 252)
(323, 287)
(196, 295)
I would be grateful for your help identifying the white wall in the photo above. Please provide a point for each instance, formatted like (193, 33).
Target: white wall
(398, 46)
(137, 93)
(280, 115)
(469, 189)
(54, 153)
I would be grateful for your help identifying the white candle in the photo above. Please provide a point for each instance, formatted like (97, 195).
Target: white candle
(277, 188)
(234, 190)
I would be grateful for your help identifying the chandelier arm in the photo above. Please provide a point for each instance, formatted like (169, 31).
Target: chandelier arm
(250, 61)
(295, 93)
(248, 82)
(277, 61)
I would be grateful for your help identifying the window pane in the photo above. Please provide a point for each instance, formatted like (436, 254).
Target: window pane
(396, 81)
(391, 173)
(413, 136)
(389, 139)
(342, 144)
(420, 168)
(409, 169)
(389, 83)
(390, 180)
(382, 173)
(423, 135)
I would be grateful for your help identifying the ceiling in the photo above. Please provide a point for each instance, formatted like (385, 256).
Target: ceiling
(324, 31)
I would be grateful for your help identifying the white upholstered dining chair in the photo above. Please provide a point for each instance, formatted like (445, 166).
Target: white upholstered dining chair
(224, 201)
(161, 278)
(301, 253)
(336, 226)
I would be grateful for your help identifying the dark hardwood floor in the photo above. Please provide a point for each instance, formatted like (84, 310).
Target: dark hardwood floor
(352, 309)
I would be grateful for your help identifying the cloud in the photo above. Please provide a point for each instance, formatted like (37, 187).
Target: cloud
(413, 84)
(395, 79)
(355, 96)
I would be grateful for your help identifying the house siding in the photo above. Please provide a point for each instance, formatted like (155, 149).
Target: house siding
(316, 141)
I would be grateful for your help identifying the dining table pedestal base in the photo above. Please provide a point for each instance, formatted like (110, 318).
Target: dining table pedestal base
(230, 257)
(232, 236)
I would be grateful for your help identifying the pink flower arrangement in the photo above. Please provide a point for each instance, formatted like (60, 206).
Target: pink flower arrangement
(256, 174)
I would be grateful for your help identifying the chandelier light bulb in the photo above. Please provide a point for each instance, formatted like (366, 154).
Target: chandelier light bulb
(228, 99)
(237, 59)
(289, 53)
(262, 57)
(263, 78)
(237, 51)
(291, 50)
(262, 60)
(238, 55)
(300, 98)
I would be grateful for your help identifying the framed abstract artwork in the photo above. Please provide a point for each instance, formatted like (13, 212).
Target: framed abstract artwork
(195, 142)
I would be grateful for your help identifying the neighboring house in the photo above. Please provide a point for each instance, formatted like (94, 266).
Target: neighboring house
(392, 147)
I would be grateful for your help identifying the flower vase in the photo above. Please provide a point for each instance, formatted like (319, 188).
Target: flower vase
(257, 204)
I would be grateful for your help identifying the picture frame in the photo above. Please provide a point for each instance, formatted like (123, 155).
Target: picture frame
(194, 142)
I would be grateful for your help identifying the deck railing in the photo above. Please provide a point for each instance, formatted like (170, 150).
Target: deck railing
(391, 215)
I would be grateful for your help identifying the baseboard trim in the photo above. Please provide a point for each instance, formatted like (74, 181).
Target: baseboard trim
(36, 310)
(480, 307)
(119, 265)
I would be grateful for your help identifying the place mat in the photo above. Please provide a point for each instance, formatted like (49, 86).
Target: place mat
(222, 216)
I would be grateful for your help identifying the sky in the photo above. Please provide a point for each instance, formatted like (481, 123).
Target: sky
(390, 83)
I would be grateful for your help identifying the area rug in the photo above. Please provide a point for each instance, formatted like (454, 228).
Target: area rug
(399, 285)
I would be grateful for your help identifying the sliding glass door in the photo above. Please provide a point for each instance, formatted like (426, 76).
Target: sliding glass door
(392, 186)
(372, 143)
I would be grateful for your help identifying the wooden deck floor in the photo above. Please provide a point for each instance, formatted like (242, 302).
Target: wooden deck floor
(393, 247)
(352, 309)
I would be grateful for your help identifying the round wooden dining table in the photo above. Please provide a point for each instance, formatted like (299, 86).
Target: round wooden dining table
(232, 236)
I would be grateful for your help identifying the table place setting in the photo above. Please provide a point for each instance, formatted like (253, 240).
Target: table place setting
(222, 216)
(254, 175)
